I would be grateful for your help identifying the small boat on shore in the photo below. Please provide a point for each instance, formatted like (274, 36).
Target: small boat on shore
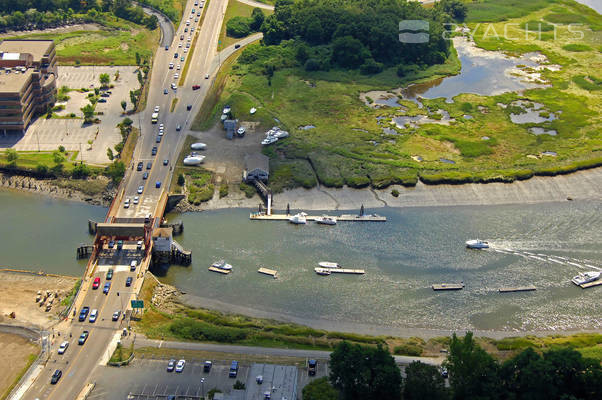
(477, 244)
(326, 220)
(328, 264)
(322, 271)
(221, 264)
(298, 219)
(586, 277)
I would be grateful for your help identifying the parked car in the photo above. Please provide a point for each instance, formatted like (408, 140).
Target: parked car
(140, 189)
(165, 162)
(84, 313)
(153, 152)
(106, 288)
(110, 274)
(196, 87)
(128, 281)
(207, 366)
(116, 315)
(140, 165)
(444, 372)
(182, 58)
(171, 365)
(233, 369)
(311, 367)
(138, 247)
(180, 365)
(83, 337)
(105, 95)
(145, 175)
(93, 315)
(63, 347)
(56, 376)
(96, 283)
(102, 100)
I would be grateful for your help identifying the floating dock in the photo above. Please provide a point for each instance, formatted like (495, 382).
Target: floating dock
(448, 286)
(528, 288)
(269, 272)
(591, 284)
(219, 270)
(346, 271)
(346, 217)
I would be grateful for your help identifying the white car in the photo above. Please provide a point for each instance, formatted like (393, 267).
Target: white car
(157, 108)
(170, 65)
(180, 365)
(93, 315)
(186, 50)
(187, 22)
(173, 86)
(176, 75)
(206, 76)
(136, 199)
(140, 189)
(179, 45)
(126, 203)
(161, 126)
(178, 67)
(63, 347)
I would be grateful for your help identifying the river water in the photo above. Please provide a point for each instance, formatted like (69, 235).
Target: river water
(415, 248)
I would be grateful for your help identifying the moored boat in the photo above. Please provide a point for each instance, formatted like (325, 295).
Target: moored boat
(322, 271)
(298, 219)
(326, 220)
(586, 277)
(221, 264)
(328, 264)
(477, 244)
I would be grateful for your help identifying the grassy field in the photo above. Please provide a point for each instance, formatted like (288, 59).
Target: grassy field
(348, 145)
(115, 43)
(236, 9)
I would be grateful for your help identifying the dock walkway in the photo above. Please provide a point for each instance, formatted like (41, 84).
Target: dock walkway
(345, 217)
(448, 286)
(528, 288)
(267, 271)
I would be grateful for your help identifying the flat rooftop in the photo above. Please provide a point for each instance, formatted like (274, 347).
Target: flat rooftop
(37, 48)
(14, 81)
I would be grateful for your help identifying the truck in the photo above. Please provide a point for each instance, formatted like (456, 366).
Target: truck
(155, 117)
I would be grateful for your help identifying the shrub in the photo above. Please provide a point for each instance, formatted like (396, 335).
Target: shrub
(408, 349)
(590, 83)
(537, 26)
(248, 189)
(80, 171)
(576, 47)
(238, 27)
(223, 190)
(181, 180)
(312, 65)
(370, 67)
(395, 193)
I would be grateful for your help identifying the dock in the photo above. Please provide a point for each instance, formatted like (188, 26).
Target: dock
(448, 286)
(267, 271)
(346, 271)
(257, 216)
(591, 284)
(219, 270)
(528, 288)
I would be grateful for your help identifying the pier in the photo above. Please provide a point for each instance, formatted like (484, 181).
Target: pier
(267, 271)
(346, 271)
(528, 288)
(448, 286)
(342, 218)
(219, 270)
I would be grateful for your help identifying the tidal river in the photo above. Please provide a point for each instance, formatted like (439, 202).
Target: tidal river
(415, 248)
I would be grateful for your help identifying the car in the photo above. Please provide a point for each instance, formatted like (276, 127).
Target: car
(134, 263)
(179, 45)
(259, 379)
(126, 203)
(207, 366)
(105, 95)
(192, 29)
(233, 369)
(171, 364)
(140, 189)
(236, 46)
(165, 162)
(83, 337)
(196, 87)
(161, 132)
(106, 288)
(116, 315)
(110, 274)
(111, 244)
(187, 22)
(173, 86)
(56, 376)
(198, 14)
(312, 365)
(180, 365)
(187, 46)
(119, 246)
(206, 76)
(166, 47)
(158, 184)
(188, 40)
(138, 246)
(140, 165)
(84, 313)
(186, 50)
(154, 153)
(161, 126)
(157, 108)
(96, 283)
(170, 65)
(63, 347)
(181, 37)
(192, 12)
(136, 199)
(128, 281)
(165, 91)
(158, 139)
(94, 314)
(145, 176)
(189, 107)
(102, 100)
(178, 127)
(182, 58)
(178, 67)
(176, 55)
(185, 29)
(176, 75)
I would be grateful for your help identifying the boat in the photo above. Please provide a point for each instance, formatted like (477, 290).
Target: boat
(327, 264)
(298, 219)
(326, 220)
(280, 134)
(586, 277)
(193, 160)
(322, 271)
(198, 146)
(269, 140)
(477, 244)
(226, 109)
(252, 111)
(241, 131)
(221, 264)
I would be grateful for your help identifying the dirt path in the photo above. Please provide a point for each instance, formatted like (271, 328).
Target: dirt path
(16, 352)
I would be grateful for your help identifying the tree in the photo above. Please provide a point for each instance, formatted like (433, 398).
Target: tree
(424, 381)
(181, 180)
(11, 157)
(529, 377)
(140, 79)
(320, 389)
(80, 171)
(124, 105)
(104, 80)
(238, 27)
(88, 111)
(133, 98)
(152, 22)
(62, 149)
(58, 157)
(42, 169)
(137, 58)
(110, 154)
(115, 171)
(257, 18)
(473, 373)
(454, 8)
(362, 372)
(348, 52)
(302, 54)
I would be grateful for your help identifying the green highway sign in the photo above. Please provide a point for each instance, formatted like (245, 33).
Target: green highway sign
(137, 304)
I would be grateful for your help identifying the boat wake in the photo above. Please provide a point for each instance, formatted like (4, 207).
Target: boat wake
(575, 262)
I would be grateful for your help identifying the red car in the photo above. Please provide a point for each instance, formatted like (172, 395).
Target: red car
(196, 87)
(96, 283)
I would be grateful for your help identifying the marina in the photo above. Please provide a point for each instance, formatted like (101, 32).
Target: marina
(266, 271)
(528, 288)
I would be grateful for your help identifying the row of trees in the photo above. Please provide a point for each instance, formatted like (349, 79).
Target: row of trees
(239, 27)
(361, 372)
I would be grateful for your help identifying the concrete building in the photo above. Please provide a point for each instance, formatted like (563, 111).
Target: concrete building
(257, 167)
(28, 73)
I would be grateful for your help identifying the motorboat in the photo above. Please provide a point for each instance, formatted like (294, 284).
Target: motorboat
(586, 277)
(477, 244)
(328, 264)
(326, 220)
(241, 131)
(269, 140)
(222, 264)
(298, 219)
(193, 160)
(322, 271)
(252, 111)
(226, 109)
(280, 134)
(198, 146)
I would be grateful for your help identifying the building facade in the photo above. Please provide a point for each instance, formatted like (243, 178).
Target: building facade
(28, 74)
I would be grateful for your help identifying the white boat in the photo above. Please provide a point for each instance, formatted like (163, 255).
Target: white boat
(477, 244)
(328, 264)
(226, 110)
(221, 264)
(198, 146)
(586, 277)
(269, 140)
(326, 220)
(280, 134)
(241, 131)
(322, 271)
(252, 111)
(298, 219)
(193, 160)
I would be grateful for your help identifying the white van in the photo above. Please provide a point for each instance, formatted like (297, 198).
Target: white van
(133, 265)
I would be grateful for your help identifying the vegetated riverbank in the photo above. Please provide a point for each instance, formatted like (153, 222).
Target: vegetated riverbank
(170, 315)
